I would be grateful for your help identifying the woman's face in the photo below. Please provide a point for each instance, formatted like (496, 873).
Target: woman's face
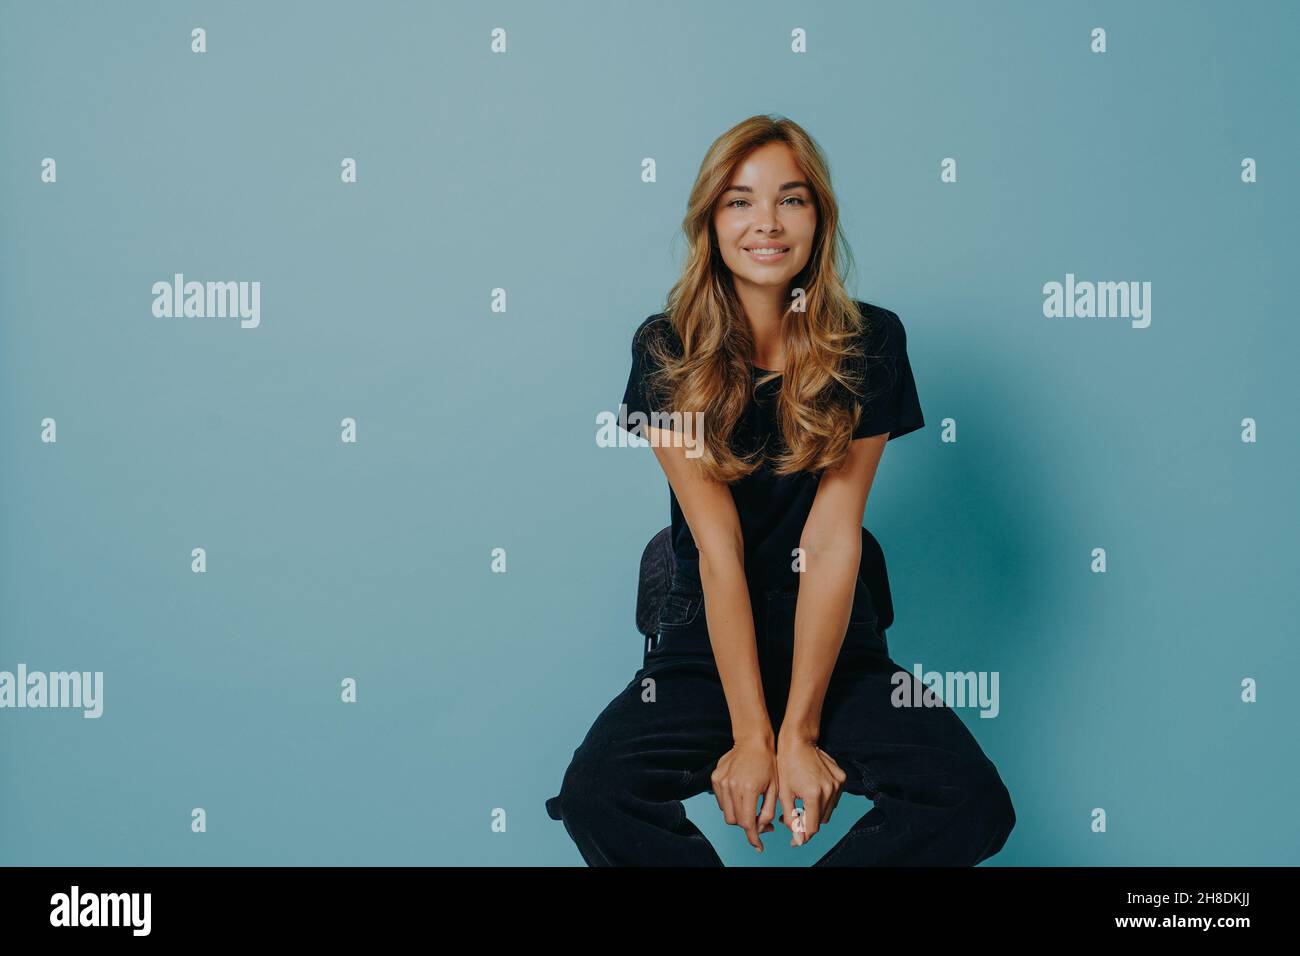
(768, 205)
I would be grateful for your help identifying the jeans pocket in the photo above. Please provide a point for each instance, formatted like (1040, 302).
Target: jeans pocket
(680, 609)
(681, 634)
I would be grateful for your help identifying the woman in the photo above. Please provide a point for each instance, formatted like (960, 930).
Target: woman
(769, 677)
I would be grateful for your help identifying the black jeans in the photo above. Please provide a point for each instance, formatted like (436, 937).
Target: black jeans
(938, 800)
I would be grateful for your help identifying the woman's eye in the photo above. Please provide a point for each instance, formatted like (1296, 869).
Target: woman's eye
(797, 199)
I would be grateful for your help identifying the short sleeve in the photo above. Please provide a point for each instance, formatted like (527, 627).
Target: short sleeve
(639, 396)
(891, 403)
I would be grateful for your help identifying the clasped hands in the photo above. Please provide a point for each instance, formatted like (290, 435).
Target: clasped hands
(795, 768)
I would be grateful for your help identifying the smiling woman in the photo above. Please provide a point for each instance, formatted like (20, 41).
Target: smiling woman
(769, 678)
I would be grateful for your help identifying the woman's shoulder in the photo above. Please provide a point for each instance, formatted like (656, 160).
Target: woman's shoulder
(653, 324)
(882, 330)
(655, 327)
(658, 323)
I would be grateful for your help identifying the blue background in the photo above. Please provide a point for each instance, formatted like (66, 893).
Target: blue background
(522, 171)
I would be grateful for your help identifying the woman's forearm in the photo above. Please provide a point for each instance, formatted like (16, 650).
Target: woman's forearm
(821, 619)
(730, 620)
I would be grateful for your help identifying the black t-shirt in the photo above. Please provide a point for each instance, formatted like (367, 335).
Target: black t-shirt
(773, 509)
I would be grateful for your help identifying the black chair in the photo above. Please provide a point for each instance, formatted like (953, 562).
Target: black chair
(657, 577)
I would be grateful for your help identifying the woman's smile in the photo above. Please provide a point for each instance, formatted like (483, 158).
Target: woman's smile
(768, 253)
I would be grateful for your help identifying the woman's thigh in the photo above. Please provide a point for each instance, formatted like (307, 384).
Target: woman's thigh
(885, 728)
(661, 737)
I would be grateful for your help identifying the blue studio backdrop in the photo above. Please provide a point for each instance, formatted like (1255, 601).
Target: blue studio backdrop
(271, 541)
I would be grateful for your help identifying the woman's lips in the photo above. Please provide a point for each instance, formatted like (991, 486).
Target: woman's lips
(770, 258)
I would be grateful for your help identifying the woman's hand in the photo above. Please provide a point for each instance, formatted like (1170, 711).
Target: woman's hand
(745, 772)
(807, 772)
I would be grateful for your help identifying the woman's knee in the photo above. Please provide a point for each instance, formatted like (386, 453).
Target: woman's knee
(991, 811)
(591, 785)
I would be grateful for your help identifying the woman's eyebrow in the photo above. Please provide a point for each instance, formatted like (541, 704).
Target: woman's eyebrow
(784, 186)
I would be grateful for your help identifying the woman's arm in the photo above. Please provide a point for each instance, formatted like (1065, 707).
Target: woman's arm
(748, 770)
(710, 513)
(832, 546)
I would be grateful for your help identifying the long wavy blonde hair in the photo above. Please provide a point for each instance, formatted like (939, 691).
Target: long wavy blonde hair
(817, 405)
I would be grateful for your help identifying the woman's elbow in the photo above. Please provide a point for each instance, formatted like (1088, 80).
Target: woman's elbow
(723, 553)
